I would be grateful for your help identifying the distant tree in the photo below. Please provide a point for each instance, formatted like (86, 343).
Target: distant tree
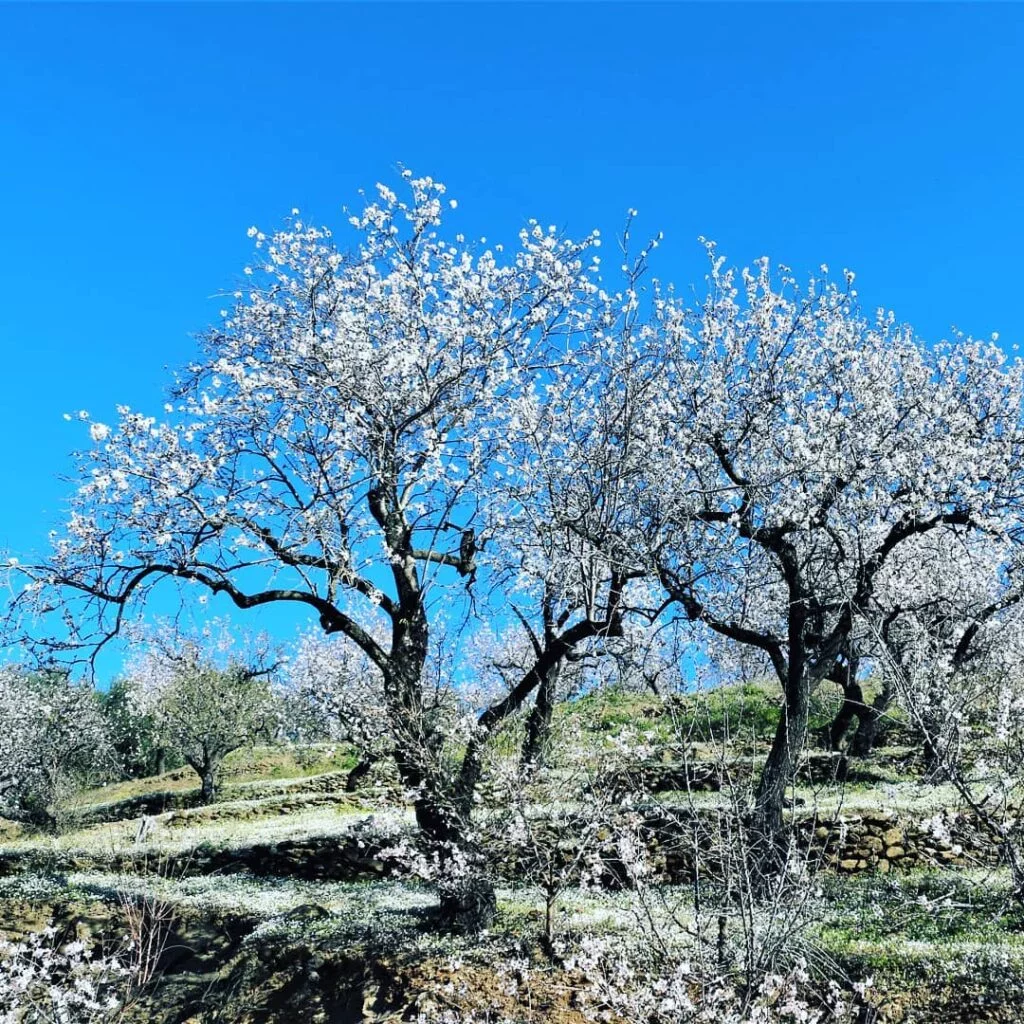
(203, 709)
(134, 735)
(565, 486)
(53, 740)
(951, 650)
(343, 689)
(950, 642)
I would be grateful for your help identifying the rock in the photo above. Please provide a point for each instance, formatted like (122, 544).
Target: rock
(895, 852)
(848, 865)
(893, 837)
(883, 866)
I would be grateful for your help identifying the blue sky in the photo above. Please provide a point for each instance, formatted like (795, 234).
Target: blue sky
(140, 141)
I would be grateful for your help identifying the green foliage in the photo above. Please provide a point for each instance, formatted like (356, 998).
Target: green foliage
(608, 711)
(205, 712)
(743, 712)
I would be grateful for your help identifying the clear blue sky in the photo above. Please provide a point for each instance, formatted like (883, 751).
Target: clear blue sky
(140, 141)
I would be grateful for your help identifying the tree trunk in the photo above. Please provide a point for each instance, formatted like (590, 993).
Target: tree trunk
(208, 790)
(466, 893)
(867, 716)
(538, 723)
(863, 742)
(767, 829)
(768, 835)
(465, 890)
(934, 750)
(936, 742)
(853, 707)
(358, 773)
(161, 761)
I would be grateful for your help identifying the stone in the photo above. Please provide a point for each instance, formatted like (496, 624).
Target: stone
(895, 852)
(893, 837)
(884, 866)
(848, 865)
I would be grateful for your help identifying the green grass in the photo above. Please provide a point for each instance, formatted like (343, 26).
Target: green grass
(905, 928)
(246, 765)
(171, 835)
(921, 907)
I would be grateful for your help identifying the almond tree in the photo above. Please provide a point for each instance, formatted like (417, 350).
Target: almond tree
(804, 446)
(346, 689)
(947, 635)
(325, 452)
(566, 483)
(204, 698)
(53, 740)
(950, 650)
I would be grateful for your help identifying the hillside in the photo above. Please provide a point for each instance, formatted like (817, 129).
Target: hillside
(285, 901)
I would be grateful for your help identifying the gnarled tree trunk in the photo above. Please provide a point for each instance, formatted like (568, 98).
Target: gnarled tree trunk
(362, 768)
(864, 739)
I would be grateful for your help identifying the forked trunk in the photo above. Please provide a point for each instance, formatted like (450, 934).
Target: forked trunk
(853, 707)
(465, 890)
(867, 715)
(358, 773)
(863, 742)
(466, 893)
(867, 733)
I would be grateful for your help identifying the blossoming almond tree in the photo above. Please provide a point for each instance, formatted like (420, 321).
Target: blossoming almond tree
(53, 740)
(947, 604)
(345, 688)
(325, 450)
(950, 650)
(566, 485)
(804, 446)
(378, 435)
